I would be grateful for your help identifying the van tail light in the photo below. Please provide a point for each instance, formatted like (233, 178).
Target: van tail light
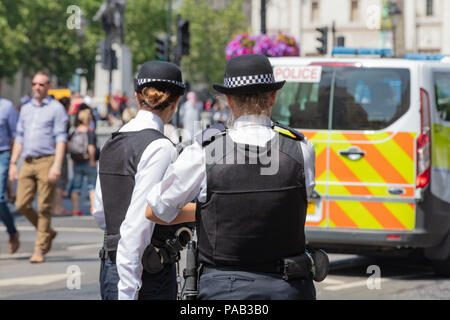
(424, 142)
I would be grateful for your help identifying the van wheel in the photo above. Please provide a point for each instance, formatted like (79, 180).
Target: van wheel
(442, 267)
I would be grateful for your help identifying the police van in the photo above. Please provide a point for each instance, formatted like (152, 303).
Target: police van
(381, 131)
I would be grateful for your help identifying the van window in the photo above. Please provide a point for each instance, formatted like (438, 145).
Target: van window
(364, 99)
(369, 98)
(442, 91)
(304, 105)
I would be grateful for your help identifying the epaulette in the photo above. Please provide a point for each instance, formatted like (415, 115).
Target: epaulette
(209, 134)
(288, 131)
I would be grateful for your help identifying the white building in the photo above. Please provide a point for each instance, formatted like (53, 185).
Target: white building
(423, 26)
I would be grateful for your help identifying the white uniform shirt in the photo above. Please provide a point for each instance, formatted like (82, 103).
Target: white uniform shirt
(185, 179)
(136, 231)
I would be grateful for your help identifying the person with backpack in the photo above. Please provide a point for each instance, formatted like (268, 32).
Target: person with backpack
(82, 148)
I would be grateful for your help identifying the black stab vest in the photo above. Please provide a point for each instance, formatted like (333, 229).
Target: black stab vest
(118, 163)
(252, 220)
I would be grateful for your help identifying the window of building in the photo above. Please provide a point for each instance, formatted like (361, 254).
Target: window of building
(315, 10)
(354, 10)
(430, 7)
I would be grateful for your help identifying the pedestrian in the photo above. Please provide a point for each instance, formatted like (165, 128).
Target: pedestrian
(8, 123)
(132, 161)
(222, 114)
(190, 111)
(41, 139)
(93, 122)
(58, 209)
(250, 217)
(75, 102)
(82, 147)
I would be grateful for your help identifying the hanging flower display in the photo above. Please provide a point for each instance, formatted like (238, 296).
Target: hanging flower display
(280, 45)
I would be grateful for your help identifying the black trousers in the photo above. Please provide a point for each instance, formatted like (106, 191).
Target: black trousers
(159, 286)
(242, 285)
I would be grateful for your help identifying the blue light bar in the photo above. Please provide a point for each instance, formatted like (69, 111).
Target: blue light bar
(343, 50)
(425, 57)
(362, 51)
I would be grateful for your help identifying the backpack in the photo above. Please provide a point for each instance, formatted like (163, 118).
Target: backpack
(77, 146)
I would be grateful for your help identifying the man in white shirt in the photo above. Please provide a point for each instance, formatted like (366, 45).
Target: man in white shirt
(252, 186)
(131, 163)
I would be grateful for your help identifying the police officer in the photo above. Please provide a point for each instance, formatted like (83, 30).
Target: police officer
(132, 161)
(252, 183)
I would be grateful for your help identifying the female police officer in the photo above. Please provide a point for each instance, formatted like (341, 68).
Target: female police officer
(252, 186)
(131, 163)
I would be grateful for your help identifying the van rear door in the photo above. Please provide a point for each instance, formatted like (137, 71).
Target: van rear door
(365, 156)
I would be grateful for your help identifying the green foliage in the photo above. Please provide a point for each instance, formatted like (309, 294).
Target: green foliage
(143, 20)
(12, 40)
(210, 31)
(35, 36)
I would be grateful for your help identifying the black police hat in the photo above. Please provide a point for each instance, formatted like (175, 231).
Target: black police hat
(246, 74)
(164, 76)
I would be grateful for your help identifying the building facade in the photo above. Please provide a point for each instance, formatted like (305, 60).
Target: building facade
(422, 26)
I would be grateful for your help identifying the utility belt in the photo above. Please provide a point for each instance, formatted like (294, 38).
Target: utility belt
(157, 255)
(313, 264)
(103, 254)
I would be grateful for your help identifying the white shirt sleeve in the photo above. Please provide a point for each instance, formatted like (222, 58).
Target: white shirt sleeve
(136, 230)
(98, 211)
(184, 181)
(309, 159)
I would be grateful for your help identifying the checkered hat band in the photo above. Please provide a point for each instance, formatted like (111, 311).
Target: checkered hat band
(144, 81)
(248, 80)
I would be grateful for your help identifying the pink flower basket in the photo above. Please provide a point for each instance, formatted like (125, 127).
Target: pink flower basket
(280, 45)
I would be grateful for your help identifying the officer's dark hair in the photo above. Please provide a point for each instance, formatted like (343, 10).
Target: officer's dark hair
(254, 103)
(154, 99)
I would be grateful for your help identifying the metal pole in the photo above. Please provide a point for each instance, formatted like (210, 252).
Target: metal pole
(333, 29)
(169, 31)
(263, 17)
(110, 74)
(177, 52)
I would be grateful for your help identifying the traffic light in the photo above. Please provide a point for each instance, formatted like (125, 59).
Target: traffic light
(323, 39)
(108, 56)
(341, 41)
(101, 51)
(183, 36)
(113, 60)
(161, 48)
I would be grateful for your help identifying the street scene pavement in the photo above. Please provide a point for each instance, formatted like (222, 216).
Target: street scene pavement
(71, 270)
(358, 91)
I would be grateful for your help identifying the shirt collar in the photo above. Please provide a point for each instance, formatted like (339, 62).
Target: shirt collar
(46, 101)
(150, 119)
(252, 120)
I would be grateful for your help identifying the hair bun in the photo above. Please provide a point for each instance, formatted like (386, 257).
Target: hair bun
(155, 99)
